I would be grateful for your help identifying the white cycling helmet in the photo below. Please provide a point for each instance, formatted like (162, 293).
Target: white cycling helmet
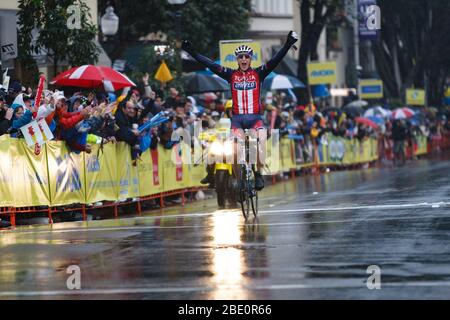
(243, 50)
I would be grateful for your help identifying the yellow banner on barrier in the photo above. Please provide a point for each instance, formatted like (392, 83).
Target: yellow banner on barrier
(6, 178)
(356, 151)
(101, 174)
(198, 168)
(151, 173)
(186, 157)
(422, 145)
(273, 157)
(322, 72)
(287, 154)
(30, 175)
(173, 169)
(66, 174)
(333, 152)
(127, 174)
(197, 173)
(343, 151)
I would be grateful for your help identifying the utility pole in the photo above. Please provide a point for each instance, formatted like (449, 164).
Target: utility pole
(356, 38)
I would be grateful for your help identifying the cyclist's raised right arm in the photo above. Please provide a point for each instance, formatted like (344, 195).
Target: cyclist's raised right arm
(223, 72)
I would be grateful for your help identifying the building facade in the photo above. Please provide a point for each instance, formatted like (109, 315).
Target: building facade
(8, 37)
(270, 22)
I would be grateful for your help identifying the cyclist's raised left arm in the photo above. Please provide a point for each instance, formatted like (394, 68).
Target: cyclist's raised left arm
(267, 68)
(223, 72)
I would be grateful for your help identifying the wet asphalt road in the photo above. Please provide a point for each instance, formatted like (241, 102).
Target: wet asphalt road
(315, 238)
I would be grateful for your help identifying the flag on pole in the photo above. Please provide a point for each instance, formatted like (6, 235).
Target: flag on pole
(163, 74)
(37, 101)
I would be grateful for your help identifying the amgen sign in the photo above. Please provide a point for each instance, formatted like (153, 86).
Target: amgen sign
(322, 72)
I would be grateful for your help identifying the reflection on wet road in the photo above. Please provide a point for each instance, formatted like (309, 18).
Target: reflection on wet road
(314, 239)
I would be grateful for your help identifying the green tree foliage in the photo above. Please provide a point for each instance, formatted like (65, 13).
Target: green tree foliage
(204, 22)
(50, 19)
(414, 48)
(149, 62)
(315, 15)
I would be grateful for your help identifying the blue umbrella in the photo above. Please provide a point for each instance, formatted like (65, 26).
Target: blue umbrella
(377, 112)
(321, 91)
(377, 120)
(281, 81)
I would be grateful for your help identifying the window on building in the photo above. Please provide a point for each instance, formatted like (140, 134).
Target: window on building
(273, 7)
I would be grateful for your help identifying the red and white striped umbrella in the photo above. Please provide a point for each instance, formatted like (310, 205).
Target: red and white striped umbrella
(402, 113)
(89, 76)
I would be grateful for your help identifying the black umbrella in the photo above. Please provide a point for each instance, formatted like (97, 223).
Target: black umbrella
(353, 110)
(201, 83)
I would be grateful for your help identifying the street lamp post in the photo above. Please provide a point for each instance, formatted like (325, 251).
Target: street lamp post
(109, 23)
(177, 15)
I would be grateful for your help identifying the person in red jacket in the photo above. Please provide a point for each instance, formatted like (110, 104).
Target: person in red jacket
(66, 122)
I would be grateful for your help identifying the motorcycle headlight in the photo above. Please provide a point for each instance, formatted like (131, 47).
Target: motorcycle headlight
(217, 148)
(228, 148)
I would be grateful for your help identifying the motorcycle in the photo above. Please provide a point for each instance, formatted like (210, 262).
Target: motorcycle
(221, 148)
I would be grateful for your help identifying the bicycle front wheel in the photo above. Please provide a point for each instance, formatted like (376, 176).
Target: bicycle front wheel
(254, 201)
(244, 194)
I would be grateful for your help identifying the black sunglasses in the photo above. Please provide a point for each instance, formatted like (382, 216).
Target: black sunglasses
(246, 56)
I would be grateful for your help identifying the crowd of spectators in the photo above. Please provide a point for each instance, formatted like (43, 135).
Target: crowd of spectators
(309, 124)
(86, 117)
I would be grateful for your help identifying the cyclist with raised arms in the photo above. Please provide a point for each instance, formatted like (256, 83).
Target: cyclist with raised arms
(245, 83)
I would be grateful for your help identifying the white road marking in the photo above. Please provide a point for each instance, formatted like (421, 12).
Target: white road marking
(262, 212)
(100, 291)
(347, 221)
(367, 207)
(352, 284)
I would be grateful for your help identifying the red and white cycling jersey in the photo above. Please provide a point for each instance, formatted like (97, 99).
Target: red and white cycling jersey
(245, 88)
(245, 85)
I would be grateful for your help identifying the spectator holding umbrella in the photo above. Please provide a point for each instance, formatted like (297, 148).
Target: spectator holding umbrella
(66, 124)
(399, 135)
